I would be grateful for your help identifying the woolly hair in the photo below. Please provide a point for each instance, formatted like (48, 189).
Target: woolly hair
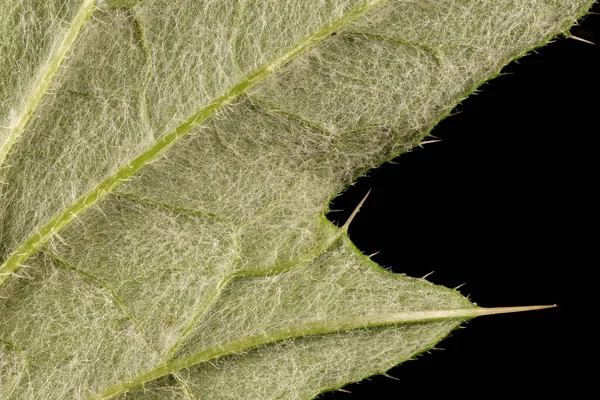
(165, 169)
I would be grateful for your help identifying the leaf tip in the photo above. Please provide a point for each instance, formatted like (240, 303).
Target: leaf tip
(509, 310)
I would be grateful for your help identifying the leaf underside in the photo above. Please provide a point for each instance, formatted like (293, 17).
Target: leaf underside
(165, 169)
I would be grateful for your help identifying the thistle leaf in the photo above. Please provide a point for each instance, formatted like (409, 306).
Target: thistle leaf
(166, 167)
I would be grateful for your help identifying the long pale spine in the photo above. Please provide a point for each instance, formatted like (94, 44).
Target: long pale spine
(308, 329)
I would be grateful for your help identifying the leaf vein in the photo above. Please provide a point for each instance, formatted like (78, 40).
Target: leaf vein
(432, 51)
(169, 208)
(267, 271)
(107, 186)
(46, 78)
(16, 349)
(275, 109)
(117, 301)
(303, 330)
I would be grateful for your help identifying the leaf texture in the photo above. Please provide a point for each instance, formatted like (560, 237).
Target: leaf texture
(166, 167)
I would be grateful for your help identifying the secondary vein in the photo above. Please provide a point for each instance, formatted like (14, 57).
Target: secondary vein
(306, 329)
(117, 301)
(263, 272)
(107, 186)
(49, 70)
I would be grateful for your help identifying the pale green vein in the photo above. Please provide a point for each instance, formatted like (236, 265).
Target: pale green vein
(140, 34)
(238, 32)
(59, 262)
(106, 187)
(11, 346)
(273, 108)
(169, 208)
(46, 76)
(125, 4)
(16, 349)
(307, 329)
(268, 271)
(432, 51)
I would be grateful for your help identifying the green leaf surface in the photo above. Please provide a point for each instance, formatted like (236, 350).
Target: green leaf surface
(165, 169)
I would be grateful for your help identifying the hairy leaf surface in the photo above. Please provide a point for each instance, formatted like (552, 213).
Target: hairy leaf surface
(165, 168)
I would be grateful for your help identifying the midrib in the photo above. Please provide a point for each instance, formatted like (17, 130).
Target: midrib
(107, 186)
(303, 330)
(48, 71)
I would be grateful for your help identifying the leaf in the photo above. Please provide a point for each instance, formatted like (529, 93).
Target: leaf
(166, 167)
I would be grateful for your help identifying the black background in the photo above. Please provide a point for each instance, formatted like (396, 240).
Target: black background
(504, 204)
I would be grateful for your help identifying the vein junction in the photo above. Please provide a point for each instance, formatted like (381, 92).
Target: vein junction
(315, 328)
(106, 187)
